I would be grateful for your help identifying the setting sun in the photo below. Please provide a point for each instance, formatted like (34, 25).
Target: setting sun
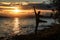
(16, 10)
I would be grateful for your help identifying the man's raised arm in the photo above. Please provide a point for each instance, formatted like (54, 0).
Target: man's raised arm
(34, 10)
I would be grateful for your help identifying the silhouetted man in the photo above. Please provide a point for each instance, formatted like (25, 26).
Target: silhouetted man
(37, 19)
(37, 15)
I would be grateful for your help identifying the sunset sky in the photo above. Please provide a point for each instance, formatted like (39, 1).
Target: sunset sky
(24, 0)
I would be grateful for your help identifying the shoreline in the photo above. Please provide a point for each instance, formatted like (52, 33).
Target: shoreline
(46, 34)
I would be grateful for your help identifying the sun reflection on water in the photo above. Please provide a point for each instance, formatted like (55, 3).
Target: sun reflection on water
(16, 28)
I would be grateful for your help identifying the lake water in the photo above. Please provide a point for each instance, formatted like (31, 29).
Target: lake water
(12, 26)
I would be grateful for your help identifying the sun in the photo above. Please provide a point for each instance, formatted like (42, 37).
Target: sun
(16, 10)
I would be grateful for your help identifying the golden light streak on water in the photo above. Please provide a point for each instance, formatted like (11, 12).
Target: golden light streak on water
(16, 28)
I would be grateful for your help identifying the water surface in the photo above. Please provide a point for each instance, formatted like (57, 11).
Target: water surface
(12, 26)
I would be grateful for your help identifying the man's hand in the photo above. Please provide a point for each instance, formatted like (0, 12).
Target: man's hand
(34, 10)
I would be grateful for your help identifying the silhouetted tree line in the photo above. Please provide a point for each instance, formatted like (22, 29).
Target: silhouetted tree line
(56, 3)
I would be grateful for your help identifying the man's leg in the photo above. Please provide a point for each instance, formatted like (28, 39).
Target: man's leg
(36, 28)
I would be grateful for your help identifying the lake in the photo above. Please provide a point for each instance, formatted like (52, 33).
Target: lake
(20, 26)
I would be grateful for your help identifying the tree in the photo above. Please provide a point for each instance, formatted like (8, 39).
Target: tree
(56, 3)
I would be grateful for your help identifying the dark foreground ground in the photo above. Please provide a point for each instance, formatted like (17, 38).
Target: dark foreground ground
(52, 33)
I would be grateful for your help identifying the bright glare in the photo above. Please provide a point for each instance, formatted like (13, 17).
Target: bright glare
(16, 10)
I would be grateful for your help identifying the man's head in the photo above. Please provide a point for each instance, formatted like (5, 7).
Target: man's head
(39, 12)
